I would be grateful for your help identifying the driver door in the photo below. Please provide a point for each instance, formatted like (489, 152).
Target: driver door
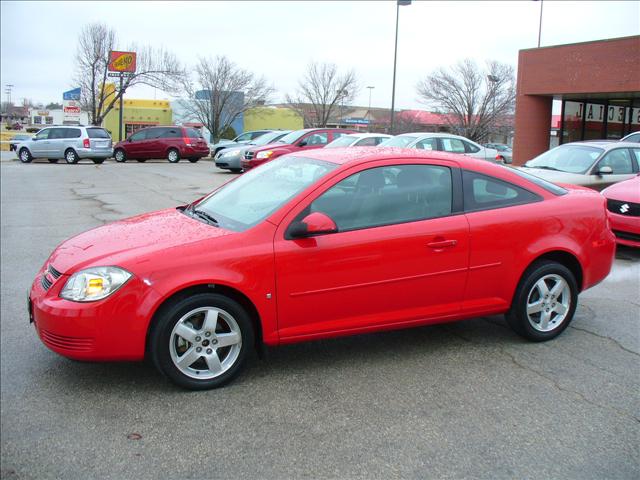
(41, 146)
(399, 256)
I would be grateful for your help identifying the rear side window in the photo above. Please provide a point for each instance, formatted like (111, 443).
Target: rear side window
(482, 192)
(470, 148)
(57, 133)
(193, 133)
(139, 135)
(172, 133)
(97, 133)
(72, 133)
(452, 145)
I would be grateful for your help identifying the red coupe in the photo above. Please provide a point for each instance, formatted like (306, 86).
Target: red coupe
(321, 244)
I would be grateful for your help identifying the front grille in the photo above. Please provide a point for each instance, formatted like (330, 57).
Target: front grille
(45, 282)
(627, 235)
(628, 209)
(249, 155)
(54, 273)
(78, 344)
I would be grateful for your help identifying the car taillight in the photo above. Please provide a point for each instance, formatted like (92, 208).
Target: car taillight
(187, 141)
(86, 143)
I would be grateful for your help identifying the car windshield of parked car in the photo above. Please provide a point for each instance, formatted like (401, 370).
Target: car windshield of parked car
(292, 137)
(343, 141)
(254, 196)
(501, 148)
(567, 158)
(399, 141)
(268, 138)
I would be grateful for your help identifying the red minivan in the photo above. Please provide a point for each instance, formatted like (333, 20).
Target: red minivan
(172, 143)
(306, 139)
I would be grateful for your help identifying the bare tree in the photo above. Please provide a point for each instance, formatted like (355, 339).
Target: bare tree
(325, 90)
(475, 101)
(155, 67)
(220, 92)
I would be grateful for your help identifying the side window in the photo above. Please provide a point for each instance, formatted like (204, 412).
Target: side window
(452, 145)
(72, 133)
(245, 137)
(57, 133)
(367, 142)
(139, 135)
(482, 192)
(154, 133)
(320, 138)
(43, 134)
(172, 133)
(636, 154)
(387, 195)
(428, 144)
(619, 160)
(338, 135)
(470, 148)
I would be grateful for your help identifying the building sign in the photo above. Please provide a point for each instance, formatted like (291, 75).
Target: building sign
(357, 121)
(71, 106)
(122, 61)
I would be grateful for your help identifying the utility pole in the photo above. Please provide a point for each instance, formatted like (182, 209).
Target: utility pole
(399, 3)
(369, 109)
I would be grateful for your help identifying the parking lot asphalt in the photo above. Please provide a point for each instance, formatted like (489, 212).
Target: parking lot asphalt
(461, 400)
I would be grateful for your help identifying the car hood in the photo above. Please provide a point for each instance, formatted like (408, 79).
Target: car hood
(556, 176)
(128, 242)
(273, 146)
(626, 191)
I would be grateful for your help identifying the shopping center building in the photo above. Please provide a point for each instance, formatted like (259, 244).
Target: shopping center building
(597, 82)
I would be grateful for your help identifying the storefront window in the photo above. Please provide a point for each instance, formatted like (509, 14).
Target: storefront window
(616, 116)
(594, 121)
(48, 120)
(572, 122)
(37, 120)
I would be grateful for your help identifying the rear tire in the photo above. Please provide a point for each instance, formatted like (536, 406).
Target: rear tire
(71, 156)
(173, 155)
(120, 156)
(545, 301)
(202, 341)
(25, 155)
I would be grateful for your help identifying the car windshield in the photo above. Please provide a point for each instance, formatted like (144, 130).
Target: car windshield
(567, 158)
(268, 138)
(501, 148)
(254, 196)
(399, 141)
(343, 141)
(290, 138)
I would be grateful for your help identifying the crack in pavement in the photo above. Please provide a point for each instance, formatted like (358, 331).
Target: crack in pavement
(551, 380)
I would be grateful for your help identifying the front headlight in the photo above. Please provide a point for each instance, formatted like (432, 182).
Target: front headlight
(94, 283)
(230, 154)
(265, 154)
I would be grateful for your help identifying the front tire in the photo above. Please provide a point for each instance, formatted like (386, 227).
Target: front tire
(202, 341)
(25, 155)
(545, 301)
(173, 155)
(71, 156)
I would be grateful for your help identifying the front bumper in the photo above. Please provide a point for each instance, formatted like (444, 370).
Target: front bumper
(229, 162)
(110, 329)
(249, 164)
(626, 229)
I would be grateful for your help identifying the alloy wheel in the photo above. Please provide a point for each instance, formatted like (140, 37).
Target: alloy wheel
(548, 303)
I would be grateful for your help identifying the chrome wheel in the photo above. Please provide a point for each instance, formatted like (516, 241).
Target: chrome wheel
(70, 156)
(119, 156)
(25, 156)
(205, 343)
(548, 303)
(173, 156)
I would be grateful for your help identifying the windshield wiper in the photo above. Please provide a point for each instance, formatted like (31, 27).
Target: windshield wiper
(204, 215)
(544, 167)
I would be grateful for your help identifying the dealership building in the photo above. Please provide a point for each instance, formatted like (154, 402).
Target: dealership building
(598, 84)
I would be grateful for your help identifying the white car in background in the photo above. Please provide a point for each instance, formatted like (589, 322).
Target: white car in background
(443, 142)
(359, 140)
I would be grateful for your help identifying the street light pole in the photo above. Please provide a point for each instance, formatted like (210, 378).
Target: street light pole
(369, 109)
(540, 23)
(399, 3)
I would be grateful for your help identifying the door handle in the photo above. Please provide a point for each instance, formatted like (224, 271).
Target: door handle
(440, 244)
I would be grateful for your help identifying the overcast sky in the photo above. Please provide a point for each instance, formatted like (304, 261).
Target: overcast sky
(278, 39)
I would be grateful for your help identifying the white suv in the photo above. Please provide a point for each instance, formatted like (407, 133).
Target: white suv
(69, 142)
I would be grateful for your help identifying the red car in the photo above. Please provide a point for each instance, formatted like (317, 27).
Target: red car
(307, 139)
(172, 143)
(333, 242)
(623, 203)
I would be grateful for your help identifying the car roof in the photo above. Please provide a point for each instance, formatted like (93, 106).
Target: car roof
(604, 144)
(355, 156)
(367, 135)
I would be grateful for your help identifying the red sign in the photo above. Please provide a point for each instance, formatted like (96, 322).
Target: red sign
(71, 109)
(122, 61)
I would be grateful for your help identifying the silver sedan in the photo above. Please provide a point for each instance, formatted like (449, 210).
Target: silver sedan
(445, 142)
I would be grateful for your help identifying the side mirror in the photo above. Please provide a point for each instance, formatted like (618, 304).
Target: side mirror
(303, 143)
(316, 223)
(605, 170)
